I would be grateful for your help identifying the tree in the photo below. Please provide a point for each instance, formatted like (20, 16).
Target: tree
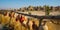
(47, 10)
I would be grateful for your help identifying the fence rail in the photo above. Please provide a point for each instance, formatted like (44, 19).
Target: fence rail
(42, 17)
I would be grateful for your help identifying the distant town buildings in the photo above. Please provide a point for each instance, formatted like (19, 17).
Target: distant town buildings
(40, 8)
(36, 8)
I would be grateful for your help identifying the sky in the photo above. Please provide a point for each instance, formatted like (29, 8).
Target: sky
(5, 4)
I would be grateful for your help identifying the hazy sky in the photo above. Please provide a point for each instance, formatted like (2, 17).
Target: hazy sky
(21, 3)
